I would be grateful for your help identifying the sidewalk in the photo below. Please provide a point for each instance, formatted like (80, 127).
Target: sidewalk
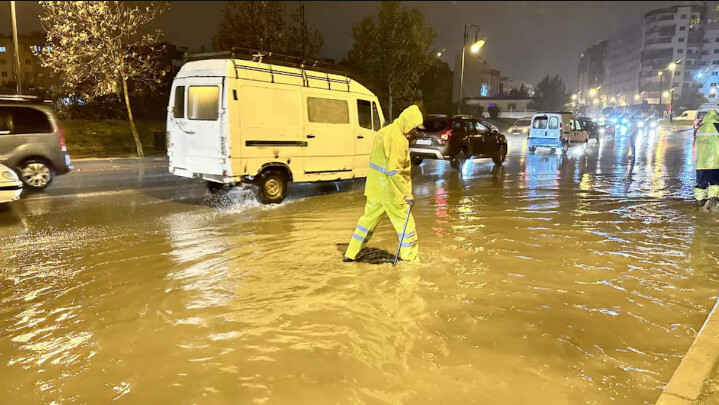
(696, 380)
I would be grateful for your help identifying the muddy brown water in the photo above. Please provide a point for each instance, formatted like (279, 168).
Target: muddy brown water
(555, 279)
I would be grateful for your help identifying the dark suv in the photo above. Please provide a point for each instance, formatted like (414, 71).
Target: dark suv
(456, 139)
(31, 140)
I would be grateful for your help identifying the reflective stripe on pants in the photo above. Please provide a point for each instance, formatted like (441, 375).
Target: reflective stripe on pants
(397, 213)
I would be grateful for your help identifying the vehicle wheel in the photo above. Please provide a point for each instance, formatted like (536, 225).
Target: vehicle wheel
(565, 146)
(272, 186)
(458, 160)
(498, 159)
(416, 160)
(532, 149)
(218, 188)
(35, 173)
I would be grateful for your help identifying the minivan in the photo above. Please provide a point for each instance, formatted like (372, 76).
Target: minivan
(31, 140)
(556, 130)
(232, 121)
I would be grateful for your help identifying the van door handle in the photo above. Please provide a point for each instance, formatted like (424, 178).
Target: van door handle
(310, 136)
(360, 137)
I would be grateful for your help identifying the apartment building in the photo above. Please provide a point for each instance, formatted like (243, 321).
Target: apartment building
(480, 80)
(33, 74)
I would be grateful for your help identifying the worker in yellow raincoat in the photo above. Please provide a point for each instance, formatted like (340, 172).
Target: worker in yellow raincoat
(389, 187)
(706, 162)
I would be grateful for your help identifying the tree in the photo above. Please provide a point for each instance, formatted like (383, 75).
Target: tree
(96, 47)
(493, 111)
(392, 49)
(520, 92)
(436, 87)
(263, 25)
(550, 94)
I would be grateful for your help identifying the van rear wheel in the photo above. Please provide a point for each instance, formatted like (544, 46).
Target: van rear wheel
(416, 160)
(272, 186)
(218, 188)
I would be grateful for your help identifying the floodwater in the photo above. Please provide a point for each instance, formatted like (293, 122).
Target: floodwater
(555, 280)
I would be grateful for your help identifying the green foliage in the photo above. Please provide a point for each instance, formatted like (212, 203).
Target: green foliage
(436, 87)
(520, 92)
(392, 49)
(493, 111)
(264, 25)
(108, 137)
(97, 47)
(550, 94)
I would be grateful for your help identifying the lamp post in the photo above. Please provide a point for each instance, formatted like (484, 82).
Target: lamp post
(661, 84)
(474, 48)
(18, 76)
(671, 67)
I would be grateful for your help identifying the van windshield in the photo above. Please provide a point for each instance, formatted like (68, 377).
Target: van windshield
(540, 123)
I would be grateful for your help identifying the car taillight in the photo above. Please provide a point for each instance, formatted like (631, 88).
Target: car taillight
(61, 137)
(444, 136)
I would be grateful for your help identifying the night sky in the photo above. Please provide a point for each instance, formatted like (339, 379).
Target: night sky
(525, 40)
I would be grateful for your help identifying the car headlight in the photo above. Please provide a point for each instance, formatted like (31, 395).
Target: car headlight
(525, 130)
(653, 124)
(640, 124)
(601, 130)
(613, 120)
(10, 175)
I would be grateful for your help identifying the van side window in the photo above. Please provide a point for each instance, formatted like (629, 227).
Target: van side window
(328, 111)
(376, 123)
(26, 120)
(577, 125)
(540, 123)
(553, 123)
(178, 110)
(364, 114)
(203, 102)
(572, 126)
(481, 127)
(469, 127)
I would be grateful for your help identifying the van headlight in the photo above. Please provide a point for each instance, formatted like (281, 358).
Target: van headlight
(640, 124)
(9, 175)
(653, 124)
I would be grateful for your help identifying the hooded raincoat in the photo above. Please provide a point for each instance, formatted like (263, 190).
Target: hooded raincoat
(388, 183)
(707, 157)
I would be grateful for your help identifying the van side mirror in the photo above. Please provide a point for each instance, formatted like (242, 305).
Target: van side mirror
(494, 131)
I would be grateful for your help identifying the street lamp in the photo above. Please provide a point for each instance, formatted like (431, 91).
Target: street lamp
(440, 53)
(661, 84)
(574, 97)
(671, 67)
(476, 46)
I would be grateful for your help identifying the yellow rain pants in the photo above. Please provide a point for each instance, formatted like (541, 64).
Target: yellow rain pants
(397, 213)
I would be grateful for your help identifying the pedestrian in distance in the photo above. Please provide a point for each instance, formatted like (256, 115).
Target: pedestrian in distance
(706, 163)
(389, 187)
(633, 133)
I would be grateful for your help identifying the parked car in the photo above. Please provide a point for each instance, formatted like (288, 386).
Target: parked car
(456, 139)
(590, 127)
(235, 121)
(31, 140)
(10, 185)
(688, 115)
(556, 130)
(520, 126)
(606, 127)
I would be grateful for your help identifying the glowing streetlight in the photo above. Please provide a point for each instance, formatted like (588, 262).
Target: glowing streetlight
(476, 46)
(672, 66)
(592, 92)
(665, 94)
(596, 101)
(574, 97)
(660, 73)
(637, 97)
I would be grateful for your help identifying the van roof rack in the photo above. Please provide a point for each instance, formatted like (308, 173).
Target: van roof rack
(255, 55)
(463, 116)
(437, 115)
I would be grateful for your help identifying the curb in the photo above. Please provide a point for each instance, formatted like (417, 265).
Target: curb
(107, 159)
(687, 382)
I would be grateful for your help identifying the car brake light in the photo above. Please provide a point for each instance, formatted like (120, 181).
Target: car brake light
(61, 137)
(444, 136)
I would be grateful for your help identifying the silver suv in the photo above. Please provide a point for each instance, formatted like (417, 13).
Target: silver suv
(31, 140)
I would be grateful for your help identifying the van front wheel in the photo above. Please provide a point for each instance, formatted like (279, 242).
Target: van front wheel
(272, 186)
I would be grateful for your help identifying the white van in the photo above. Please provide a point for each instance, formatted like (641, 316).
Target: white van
(556, 130)
(687, 115)
(233, 120)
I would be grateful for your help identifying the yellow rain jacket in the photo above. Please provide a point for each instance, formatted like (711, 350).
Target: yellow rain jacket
(707, 143)
(388, 179)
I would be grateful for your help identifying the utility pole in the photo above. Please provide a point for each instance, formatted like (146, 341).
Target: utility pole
(303, 27)
(18, 75)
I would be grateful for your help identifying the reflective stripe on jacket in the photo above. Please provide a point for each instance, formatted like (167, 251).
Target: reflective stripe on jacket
(707, 143)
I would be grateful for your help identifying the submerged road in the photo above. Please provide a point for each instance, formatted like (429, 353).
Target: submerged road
(553, 279)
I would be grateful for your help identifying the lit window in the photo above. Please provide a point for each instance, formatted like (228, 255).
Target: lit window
(2, 48)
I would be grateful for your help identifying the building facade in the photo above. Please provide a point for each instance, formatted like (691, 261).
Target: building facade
(623, 62)
(480, 80)
(34, 76)
(592, 69)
